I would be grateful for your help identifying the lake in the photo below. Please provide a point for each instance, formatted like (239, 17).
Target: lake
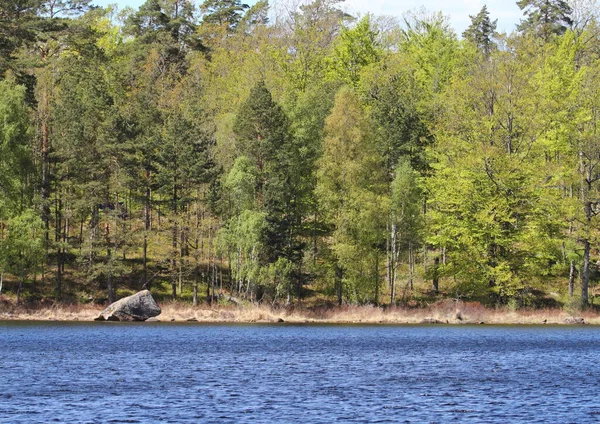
(175, 373)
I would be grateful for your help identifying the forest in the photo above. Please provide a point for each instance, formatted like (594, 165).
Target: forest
(290, 153)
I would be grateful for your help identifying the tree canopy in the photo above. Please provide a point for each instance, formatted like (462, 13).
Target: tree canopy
(220, 151)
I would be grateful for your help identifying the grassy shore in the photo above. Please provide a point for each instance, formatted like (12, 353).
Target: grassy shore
(441, 313)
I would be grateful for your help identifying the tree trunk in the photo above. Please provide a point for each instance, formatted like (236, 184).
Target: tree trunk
(109, 276)
(109, 285)
(174, 242)
(388, 252)
(208, 298)
(586, 186)
(571, 278)
(411, 266)
(147, 213)
(44, 116)
(393, 264)
(58, 237)
(436, 279)
(585, 277)
(339, 273)
(19, 289)
(195, 296)
(376, 279)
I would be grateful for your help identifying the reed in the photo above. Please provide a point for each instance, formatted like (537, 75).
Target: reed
(445, 312)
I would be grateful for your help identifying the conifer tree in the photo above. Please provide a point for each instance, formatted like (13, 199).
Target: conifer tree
(263, 136)
(17, 19)
(545, 18)
(223, 12)
(481, 31)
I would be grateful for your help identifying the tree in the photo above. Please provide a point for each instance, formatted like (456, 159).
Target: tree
(545, 18)
(88, 182)
(406, 222)
(22, 248)
(350, 190)
(227, 13)
(263, 136)
(16, 162)
(20, 228)
(354, 49)
(402, 110)
(255, 16)
(481, 31)
(430, 43)
(62, 8)
(491, 198)
(17, 27)
(586, 148)
(314, 28)
(169, 22)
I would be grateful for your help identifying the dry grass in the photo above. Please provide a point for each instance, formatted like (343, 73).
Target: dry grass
(54, 312)
(447, 311)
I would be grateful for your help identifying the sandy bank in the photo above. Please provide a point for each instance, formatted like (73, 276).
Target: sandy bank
(441, 314)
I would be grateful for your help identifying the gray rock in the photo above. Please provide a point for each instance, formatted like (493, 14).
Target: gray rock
(574, 320)
(138, 307)
(431, 321)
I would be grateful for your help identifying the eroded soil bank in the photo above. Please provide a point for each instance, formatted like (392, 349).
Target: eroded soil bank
(446, 313)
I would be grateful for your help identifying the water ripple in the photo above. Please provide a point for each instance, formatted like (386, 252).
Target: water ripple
(131, 373)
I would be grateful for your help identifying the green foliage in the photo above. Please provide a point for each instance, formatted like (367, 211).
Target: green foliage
(397, 105)
(240, 186)
(481, 31)
(492, 198)
(22, 247)
(545, 18)
(405, 204)
(276, 280)
(241, 241)
(255, 16)
(355, 49)
(17, 27)
(311, 154)
(223, 12)
(351, 191)
(315, 27)
(158, 21)
(16, 166)
(432, 46)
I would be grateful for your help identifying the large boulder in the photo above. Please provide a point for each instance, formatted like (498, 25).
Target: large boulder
(137, 307)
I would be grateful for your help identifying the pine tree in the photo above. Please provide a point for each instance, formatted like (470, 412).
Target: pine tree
(17, 19)
(545, 18)
(223, 12)
(481, 31)
(170, 23)
(263, 136)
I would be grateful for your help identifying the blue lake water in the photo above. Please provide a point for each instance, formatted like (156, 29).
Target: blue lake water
(159, 372)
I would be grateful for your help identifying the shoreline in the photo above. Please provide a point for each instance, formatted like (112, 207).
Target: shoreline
(176, 312)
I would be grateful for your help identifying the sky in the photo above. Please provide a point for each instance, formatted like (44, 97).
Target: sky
(505, 11)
